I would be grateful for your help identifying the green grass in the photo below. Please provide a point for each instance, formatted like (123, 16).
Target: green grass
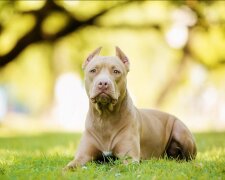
(42, 156)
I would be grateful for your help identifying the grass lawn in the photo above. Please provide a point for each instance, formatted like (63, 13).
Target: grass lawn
(42, 156)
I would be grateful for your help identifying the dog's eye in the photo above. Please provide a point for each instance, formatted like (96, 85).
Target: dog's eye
(93, 70)
(116, 71)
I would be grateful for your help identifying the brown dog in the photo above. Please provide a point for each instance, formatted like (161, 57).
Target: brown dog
(115, 126)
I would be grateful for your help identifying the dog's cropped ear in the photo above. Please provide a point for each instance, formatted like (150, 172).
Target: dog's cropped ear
(120, 54)
(90, 57)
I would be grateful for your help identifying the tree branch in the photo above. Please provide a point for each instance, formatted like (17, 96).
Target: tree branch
(173, 81)
(36, 34)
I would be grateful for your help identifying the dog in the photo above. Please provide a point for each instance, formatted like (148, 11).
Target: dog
(114, 126)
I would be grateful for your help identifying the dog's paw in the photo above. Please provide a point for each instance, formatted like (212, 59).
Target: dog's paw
(70, 167)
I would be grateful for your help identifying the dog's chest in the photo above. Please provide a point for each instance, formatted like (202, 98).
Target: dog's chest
(105, 136)
(107, 153)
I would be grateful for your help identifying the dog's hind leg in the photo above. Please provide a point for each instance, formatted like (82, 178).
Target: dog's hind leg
(182, 145)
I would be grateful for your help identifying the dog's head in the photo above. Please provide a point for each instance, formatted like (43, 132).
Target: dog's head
(105, 78)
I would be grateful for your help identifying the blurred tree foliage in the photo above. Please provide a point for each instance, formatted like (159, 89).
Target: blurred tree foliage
(39, 40)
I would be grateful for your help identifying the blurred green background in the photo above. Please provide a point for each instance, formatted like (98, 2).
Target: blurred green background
(176, 50)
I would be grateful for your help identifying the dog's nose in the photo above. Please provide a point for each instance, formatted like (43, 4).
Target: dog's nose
(103, 85)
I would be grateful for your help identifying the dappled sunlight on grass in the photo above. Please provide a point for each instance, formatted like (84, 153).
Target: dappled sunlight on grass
(215, 154)
(43, 155)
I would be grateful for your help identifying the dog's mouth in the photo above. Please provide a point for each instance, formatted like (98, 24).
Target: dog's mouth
(103, 98)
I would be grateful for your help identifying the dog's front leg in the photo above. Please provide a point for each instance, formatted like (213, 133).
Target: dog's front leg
(128, 150)
(86, 152)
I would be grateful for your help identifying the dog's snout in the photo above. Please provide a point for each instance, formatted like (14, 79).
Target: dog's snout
(103, 85)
